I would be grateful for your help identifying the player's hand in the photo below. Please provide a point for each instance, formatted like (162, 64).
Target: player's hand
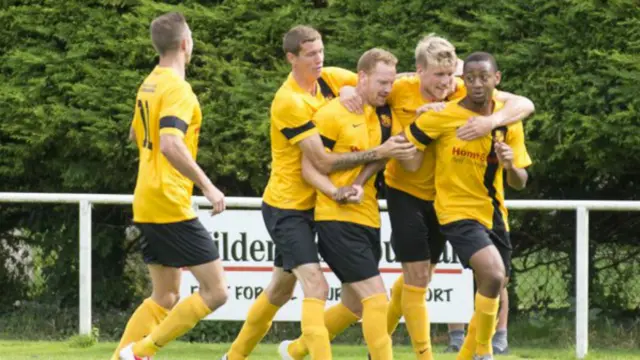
(341, 194)
(504, 153)
(348, 194)
(356, 196)
(397, 147)
(476, 127)
(350, 99)
(435, 106)
(216, 198)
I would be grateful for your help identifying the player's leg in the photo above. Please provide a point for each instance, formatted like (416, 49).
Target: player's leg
(394, 312)
(476, 249)
(500, 342)
(166, 292)
(374, 300)
(262, 311)
(415, 224)
(353, 252)
(189, 245)
(502, 240)
(336, 318)
(315, 290)
(286, 228)
(408, 239)
(456, 337)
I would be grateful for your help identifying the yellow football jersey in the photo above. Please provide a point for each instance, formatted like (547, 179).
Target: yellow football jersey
(165, 104)
(469, 177)
(405, 99)
(343, 132)
(291, 113)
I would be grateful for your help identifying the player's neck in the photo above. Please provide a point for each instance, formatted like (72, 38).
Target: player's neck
(484, 109)
(174, 62)
(361, 92)
(305, 82)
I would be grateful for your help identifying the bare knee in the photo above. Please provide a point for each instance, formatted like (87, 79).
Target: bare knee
(354, 305)
(315, 285)
(313, 282)
(417, 273)
(214, 297)
(166, 299)
(491, 282)
(280, 289)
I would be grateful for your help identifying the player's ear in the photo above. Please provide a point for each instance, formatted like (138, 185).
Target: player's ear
(498, 77)
(362, 77)
(291, 58)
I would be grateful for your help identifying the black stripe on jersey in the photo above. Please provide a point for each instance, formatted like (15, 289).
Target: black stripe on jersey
(290, 133)
(325, 89)
(328, 143)
(173, 122)
(489, 180)
(385, 118)
(420, 135)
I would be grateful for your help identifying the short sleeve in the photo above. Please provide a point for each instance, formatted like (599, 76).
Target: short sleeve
(515, 139)
(337, 77)
(328, 127)
(292, 118)
(424, 130)
(178, 105)
(400, 87)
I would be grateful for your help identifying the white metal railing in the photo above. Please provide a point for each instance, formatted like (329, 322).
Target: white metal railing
(581, 207)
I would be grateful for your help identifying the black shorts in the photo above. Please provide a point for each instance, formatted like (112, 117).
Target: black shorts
(415, 231)
(179, 244)
(293, 232)
(467, 237)
(351, 250)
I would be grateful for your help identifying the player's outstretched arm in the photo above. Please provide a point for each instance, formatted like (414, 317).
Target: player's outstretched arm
(132, 134)
(315, 178)
(369, 170)
(176, 152)
(413, 163)
(394, 147)
(515, 109)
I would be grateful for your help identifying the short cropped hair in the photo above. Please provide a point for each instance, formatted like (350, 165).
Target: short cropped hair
(480, 56)
(372, 57)
(298, 35)
(167, 32)
(434, 50)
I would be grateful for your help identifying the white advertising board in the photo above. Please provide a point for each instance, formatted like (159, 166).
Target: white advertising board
(247, 253)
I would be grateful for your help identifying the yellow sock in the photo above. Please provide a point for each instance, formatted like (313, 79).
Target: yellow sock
(336, 318)
(256, 326)
(394, 312)
(181, 319)
(374, 318)
(314, 332)
(414, 308)
(146, 317)
(486, 312)
(468, 348)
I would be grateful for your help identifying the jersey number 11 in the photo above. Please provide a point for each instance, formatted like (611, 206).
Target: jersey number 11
(144, 115)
